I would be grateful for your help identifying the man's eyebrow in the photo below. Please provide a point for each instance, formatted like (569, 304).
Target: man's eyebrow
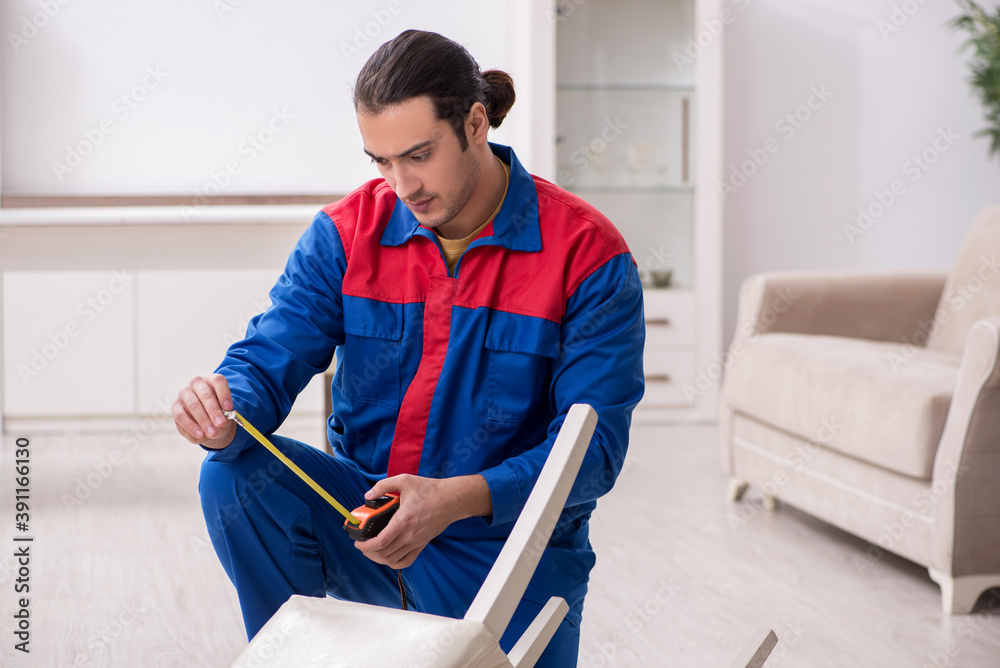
(412, 149)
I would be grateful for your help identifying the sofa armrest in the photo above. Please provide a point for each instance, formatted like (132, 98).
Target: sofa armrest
(877, 306)
(964, 489)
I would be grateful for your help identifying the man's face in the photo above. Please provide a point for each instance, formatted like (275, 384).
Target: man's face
(420, 158)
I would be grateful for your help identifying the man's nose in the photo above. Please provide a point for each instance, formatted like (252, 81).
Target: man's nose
(407, 184)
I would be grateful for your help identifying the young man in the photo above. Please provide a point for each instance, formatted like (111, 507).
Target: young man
(470, 304)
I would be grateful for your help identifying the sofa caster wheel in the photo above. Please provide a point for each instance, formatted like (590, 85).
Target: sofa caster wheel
(769, 502)
(737, 488)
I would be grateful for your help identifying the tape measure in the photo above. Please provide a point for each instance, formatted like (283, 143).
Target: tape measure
(365, 522)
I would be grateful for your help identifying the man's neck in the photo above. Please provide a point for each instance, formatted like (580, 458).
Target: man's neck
(483, 203)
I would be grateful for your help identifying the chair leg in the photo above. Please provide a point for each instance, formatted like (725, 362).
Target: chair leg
(536, 637)
(737, 488)
(959, 594)
(756, 651)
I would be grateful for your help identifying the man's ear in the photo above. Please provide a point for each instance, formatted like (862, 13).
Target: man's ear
(477, 124)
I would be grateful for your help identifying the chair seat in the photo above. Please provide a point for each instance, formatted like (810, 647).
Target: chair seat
(327, 632)
(884, 403)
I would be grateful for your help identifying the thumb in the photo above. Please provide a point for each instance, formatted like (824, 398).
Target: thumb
(383, 486)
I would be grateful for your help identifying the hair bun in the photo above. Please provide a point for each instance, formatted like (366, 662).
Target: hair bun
(499, 96)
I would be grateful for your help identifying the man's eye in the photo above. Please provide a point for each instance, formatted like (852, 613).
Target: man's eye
(421, 157)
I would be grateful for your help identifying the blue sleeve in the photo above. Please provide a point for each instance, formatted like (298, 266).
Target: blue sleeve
(600, 364)
(293, 340)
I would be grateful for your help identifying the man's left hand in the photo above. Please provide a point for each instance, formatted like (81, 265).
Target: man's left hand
(426, 507)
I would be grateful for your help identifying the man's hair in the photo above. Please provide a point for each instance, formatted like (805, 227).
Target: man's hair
(417, 63)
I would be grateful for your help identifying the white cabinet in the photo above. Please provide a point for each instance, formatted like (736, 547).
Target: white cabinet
(90, 344)
(638, 135)
(67, 342)
(669, 358)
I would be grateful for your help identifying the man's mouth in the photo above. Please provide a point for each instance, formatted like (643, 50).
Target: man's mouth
(420, 205)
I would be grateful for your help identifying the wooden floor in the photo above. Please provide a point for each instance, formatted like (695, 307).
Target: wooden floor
(122, 573)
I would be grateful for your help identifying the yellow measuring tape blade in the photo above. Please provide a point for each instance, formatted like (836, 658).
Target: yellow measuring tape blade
(295, 469)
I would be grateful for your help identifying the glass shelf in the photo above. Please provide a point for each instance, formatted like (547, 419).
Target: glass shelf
(626, 116)
(624, 138)
(657, 226)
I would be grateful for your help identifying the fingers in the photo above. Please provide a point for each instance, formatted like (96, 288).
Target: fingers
(385, 542)
(185, 423)
(207, 411)
(198, 408)
(394, 484)
(397, 554)
(221, 387)
(399, 543)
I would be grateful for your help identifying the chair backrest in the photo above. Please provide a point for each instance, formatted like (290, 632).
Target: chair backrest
(506, 582)
(972, 291)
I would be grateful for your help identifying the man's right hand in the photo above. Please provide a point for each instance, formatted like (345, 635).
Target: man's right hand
(198, 412)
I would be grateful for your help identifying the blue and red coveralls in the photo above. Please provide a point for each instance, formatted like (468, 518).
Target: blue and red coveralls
(437, 376)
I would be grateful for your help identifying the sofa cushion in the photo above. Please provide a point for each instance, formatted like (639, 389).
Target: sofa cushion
(972, 291)
(880, 402)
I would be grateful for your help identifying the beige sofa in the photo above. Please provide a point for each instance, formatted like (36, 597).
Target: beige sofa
(872, 401)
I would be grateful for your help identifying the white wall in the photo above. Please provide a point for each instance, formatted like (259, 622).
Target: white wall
(890, 96)
(196, 276)
(114, 97)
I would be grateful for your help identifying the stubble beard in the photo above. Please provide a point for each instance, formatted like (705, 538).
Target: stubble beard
(468, 172)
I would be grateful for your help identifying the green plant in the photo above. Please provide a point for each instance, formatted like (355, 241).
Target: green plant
(984, 38)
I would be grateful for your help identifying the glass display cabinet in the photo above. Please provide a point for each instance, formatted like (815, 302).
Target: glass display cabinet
(638, 125)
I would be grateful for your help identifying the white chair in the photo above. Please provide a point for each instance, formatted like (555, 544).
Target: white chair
(308, 631)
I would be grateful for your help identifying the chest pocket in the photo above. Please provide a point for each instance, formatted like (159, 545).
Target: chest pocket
(521, 351)
(373, 333)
